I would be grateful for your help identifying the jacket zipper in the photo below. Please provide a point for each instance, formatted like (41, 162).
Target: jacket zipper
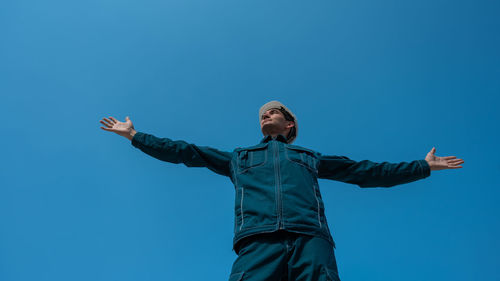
(278, 184)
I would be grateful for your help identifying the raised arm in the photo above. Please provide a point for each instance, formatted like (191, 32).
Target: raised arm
(371, 174)
(171, 151)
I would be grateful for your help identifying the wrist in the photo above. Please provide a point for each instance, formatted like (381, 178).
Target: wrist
(432, 167)
(131, 134)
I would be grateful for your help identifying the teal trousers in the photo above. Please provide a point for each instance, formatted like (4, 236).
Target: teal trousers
(284, 256)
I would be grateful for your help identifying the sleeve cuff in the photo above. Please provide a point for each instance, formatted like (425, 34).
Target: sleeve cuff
(136, 140)
(426, 169)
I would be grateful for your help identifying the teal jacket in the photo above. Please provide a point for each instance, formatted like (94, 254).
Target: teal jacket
(276, 183)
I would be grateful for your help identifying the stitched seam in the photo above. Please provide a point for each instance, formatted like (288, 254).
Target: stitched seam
(328, 274)
(241, 206)
(317, 201)
(238, 273)
(236, 195)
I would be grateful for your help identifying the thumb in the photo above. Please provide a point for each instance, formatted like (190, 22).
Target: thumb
(127, 119)
(433, 150)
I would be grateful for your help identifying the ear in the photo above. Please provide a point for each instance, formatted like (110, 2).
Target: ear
(290, 124)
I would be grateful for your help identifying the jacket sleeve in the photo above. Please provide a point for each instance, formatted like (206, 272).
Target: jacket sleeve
(182, 152)
(370, 174)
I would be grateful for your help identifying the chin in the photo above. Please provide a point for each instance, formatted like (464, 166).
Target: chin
(265, 129)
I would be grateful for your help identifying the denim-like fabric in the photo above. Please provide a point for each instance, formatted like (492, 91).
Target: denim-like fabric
(282, 256)
(276, 186)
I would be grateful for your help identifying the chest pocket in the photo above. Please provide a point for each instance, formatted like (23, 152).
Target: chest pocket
(251, 157)
(302, 156)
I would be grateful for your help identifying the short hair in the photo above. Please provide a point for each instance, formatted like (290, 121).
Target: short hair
(288, 117)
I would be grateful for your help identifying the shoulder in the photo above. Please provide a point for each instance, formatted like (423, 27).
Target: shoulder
(301, 148)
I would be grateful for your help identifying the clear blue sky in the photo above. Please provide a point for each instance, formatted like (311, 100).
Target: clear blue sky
(380, 80)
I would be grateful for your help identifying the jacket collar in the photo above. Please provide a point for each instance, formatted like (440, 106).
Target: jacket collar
(268, 138)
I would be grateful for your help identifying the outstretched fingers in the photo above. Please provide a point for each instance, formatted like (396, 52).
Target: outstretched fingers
(107, 129)
(110, 120)
(455, 164)
(106, 123)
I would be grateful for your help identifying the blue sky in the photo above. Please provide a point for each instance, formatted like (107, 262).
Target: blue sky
(378, 80)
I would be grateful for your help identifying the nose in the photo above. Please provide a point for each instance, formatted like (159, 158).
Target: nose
(265, 115)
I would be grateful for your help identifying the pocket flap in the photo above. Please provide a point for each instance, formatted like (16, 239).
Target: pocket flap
(302, 156)
(251, 157)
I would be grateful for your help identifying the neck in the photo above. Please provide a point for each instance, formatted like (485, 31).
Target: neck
(276, 133)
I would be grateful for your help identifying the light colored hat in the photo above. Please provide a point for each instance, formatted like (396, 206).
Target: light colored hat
(279, 105)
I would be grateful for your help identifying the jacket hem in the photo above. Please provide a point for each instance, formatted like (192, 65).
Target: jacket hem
(301, 229)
